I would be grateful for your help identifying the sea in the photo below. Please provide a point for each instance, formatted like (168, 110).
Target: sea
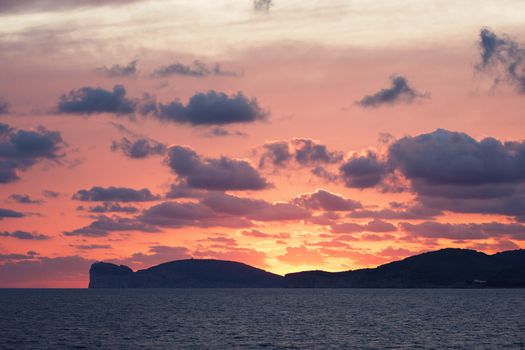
(262, 319)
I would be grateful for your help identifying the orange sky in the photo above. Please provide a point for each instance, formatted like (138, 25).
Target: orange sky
(306, 64)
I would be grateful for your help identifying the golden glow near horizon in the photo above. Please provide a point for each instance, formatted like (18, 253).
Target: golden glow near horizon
(306, 63)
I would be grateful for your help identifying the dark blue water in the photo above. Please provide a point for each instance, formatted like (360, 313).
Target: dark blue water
(262, 319)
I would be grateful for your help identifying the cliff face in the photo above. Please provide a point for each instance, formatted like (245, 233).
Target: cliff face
(184, 274)
(105, 275)
(446, 268)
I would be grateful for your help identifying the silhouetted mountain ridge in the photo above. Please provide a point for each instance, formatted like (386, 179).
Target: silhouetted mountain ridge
(445, 268)
(190, 273)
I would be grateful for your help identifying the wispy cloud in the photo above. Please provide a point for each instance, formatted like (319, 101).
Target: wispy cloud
(399, 92)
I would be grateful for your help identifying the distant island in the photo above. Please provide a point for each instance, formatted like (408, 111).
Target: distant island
(445, 268)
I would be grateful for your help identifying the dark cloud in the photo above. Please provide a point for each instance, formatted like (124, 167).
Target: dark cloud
(19, 6)
(362, 171)
(4, 107)
(197, 69)
(119, 71)
(16, 257)
(203, 109)
(182, 190)
(324, 200)
(109, 207)
(104, 225)
(375, 225)
(277, 153)
(262, 5)
(214, 173)
(469, 231)
(468, 162)
(175, 214)
(502, 57)
(23, 144)
(415, 211)
(513, 205)
(24, 199)
(254, 209)
(21, 149)
(399, 92)
(306, 152)
(221, 210)
(138, 148)
(8, 213)
(25, 235)
(89, 100)
(211, 108)
(114, 194)
(310, 152)
(486, 176)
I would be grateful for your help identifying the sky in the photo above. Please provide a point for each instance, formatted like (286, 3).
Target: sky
(287, 135)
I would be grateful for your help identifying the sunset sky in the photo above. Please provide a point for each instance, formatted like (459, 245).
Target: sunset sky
(288, 135)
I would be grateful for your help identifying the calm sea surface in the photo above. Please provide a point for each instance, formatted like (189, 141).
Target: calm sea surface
(262, 319)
